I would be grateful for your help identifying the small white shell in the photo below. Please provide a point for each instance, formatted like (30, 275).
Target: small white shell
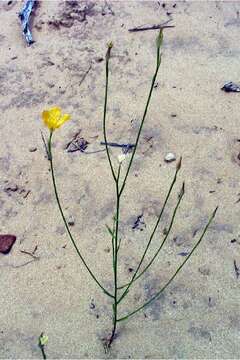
(71, 220)
(170, 157)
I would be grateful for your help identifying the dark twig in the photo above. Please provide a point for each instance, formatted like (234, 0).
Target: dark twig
(24, 264)
(152, 27)
(127, 146)
(45, 146)
(94, 152)
(85, 74)
(236, 269)
(31, 254)
(25, 15)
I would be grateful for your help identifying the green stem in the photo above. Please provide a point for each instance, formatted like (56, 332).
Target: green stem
(113, 235)
(43, 352)
(116, 178)
(159, 43)
(115, 243)
(105, 113)
(64, 219)
(152, 235)
(174, 275)
(115, 266)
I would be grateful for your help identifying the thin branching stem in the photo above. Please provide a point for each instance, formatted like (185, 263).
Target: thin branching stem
(119, 189)
(152, 235)
(174, 275)
(113, 236)
(115, 241)
(166, 236)
(159, 43)
(65, 221)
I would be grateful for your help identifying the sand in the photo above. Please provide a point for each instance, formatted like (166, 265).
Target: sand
(198, 316)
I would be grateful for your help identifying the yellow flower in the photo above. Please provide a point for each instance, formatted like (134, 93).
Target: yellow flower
(53, 118)
(43, 339)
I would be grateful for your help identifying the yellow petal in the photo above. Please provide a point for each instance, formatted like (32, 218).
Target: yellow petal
(46, 118)
(62, 120)
(45, 115)
(43, 339)
(55, 112)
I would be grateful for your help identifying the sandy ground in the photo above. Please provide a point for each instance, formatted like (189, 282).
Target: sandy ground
(199, 315)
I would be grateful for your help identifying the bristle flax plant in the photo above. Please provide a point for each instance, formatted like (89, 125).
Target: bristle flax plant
(53, 120)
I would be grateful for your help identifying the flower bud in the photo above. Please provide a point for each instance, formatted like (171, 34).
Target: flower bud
(121, 158)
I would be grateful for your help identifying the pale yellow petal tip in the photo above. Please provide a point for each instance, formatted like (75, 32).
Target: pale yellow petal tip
(53, 118)
(43, 340)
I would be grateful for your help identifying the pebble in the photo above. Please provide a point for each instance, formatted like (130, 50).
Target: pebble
(6, 243)
(99, 59)
(92, 305)
(32, 149)
(170, 157)
(231, 87)
(71, 221)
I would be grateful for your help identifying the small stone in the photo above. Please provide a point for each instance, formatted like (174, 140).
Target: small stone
(165, 231)
(6, 243)
(92, 305)
(32, 149)
(170, 157)
(71, 221)
(231, 87)
(211, 302)
(99, 59)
